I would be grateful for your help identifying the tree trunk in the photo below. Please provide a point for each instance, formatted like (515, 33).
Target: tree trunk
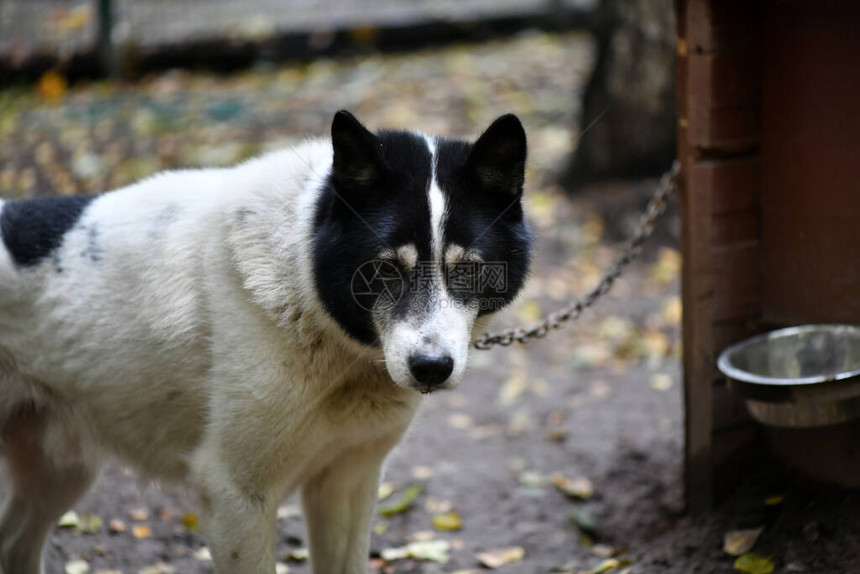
(627, 124)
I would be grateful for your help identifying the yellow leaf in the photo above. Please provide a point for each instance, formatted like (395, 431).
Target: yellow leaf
(69, 520)
(430, 550)
(52, 85)
(448, 521)
(579, 488)
(610, 564)
(90, 523)
(191, 522)
(407, 499)
(511, 390)
(141, 531)
(752, 563)
(385, 490)
(774, 500)
(739, 542)
(661, 382)
(501, 556)
(297, 555)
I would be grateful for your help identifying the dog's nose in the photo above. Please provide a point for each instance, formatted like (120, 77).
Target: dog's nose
(431, 370)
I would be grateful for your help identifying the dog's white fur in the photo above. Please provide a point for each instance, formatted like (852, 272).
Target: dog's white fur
(193, 347)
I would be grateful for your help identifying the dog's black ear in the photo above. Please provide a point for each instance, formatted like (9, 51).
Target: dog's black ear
(498, 158)
(358, 161)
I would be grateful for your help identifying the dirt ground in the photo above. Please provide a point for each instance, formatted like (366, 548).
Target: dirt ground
(596, 407)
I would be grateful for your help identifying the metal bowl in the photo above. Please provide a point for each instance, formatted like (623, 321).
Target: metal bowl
(805, 376)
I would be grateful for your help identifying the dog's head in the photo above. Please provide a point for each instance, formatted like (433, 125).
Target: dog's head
(415, 237)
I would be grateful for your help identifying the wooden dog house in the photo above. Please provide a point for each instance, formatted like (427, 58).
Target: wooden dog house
(769, 144)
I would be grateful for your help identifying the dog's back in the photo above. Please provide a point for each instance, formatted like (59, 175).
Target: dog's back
(109, 299)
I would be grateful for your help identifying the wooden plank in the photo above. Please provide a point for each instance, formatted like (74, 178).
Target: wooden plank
(736, 227)
(736, 454)
(729, 409)
(695, 239)
(721, 81)
(732, 331)
(727, 26)
(728, 130)
(734, 184)
(811, 158)
(736, 281)
(723, 68)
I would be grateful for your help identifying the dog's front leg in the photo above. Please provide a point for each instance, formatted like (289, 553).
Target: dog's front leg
(240, 528)
(338, 505)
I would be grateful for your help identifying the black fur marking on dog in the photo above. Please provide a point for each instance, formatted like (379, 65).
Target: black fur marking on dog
(375, 198)
(33, 228)
(483, 186)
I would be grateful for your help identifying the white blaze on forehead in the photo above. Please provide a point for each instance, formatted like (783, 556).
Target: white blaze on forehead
(437, 204)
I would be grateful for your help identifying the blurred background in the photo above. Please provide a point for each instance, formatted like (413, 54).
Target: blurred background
(565, 456)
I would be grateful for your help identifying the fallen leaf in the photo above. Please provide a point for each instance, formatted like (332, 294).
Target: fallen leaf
(116, 526)
(752, 563)
(404, 503)
(501, 556)
(448, 521)
(530, 311)
(69, 520)
(422, 472)
(608, 565)
(774, 500)
(158, 568)
(603, 550)
(141, 531)
(578, 488)
(53, 86)
(511, 390)
(739, 542)
(297, 555)
(77, 567)
(661, 382)
(386, 489)
(667, 267)
(191, 522)
(429, 550)
(583, 520)
(138, 514)
(203, 554)
(460, 421)
(90, 523)
(532, 478)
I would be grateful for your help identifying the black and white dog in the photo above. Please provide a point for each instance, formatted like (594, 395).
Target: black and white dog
(252, 330)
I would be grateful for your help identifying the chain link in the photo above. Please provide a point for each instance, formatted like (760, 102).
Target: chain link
(656, 206)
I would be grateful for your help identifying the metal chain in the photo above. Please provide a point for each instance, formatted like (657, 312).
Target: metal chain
(656, 206)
